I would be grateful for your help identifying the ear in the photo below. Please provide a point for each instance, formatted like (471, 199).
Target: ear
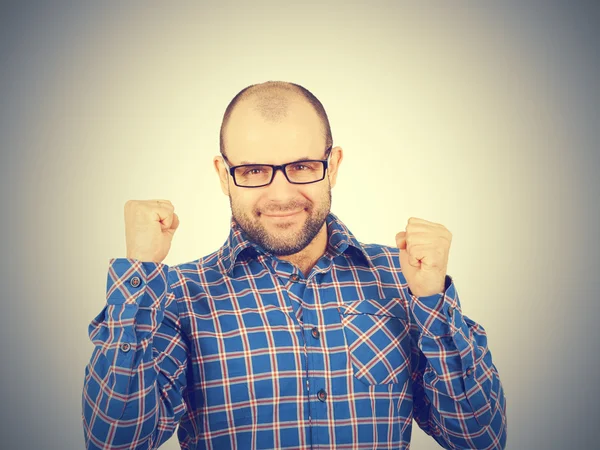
(335, 159)
(222, 173)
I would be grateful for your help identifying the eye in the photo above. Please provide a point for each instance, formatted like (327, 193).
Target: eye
(253, 171)
(300, 167)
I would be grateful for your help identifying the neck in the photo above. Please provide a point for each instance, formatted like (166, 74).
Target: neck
(306, 258)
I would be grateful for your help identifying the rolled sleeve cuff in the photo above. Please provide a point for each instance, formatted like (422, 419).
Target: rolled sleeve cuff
(438, 314)
(129, 279)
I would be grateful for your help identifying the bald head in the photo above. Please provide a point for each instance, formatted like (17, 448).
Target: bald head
(272, 101)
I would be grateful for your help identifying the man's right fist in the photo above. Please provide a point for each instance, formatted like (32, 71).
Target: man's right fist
(149, 229)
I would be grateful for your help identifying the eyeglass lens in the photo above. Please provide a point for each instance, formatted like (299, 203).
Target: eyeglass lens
(301, 172)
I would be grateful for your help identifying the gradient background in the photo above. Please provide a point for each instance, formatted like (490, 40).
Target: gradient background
(484, 118)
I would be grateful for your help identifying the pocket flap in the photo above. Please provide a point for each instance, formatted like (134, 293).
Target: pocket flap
(390, 307)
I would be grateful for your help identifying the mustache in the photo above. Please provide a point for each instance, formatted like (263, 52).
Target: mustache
(288, 207)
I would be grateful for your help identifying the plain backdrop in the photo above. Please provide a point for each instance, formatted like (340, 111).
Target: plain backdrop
(481, 117)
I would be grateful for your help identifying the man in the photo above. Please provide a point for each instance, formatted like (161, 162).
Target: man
(293, 334)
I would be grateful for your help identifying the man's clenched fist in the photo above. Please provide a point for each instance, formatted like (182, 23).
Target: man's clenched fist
(424, 249)
(149, 229)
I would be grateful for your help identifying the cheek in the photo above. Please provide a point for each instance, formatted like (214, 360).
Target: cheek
(308, 195)
(245, 200)
(317, 196)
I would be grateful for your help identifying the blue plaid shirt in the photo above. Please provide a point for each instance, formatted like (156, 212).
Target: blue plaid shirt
(243, 351)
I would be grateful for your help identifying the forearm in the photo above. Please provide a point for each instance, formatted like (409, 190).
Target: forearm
(462, 403)
(131, 385)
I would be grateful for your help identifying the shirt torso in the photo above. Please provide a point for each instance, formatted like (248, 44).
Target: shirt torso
(283, 360)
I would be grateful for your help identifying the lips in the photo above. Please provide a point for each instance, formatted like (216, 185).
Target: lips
(282, 215)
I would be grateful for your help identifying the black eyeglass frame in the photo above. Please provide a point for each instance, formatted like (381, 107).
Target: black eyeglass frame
(282, 168)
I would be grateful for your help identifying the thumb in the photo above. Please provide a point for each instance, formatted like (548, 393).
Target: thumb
(174, 224)
(170, 223)
(401, 240)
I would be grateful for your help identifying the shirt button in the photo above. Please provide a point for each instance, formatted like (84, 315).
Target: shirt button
(469, 371)
(294, 277)
(322, 395)
(135, 281)
(315, 333)
(125, 347)
(450, 310)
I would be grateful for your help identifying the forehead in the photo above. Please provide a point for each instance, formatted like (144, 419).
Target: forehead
(251, 137)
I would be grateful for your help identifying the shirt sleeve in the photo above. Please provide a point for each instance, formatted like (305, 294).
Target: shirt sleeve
(134, 382)
(458, 398)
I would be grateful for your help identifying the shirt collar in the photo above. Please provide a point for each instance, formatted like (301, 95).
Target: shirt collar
(340, 240)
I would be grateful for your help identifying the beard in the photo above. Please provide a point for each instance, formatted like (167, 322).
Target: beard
(283, 241)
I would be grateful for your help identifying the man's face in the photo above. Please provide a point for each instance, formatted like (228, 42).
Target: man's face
(284, 226)
(281, 217)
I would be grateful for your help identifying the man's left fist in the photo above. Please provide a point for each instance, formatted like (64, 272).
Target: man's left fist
(424, 249)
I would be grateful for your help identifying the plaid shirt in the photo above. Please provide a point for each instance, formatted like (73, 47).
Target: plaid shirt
(243, 351)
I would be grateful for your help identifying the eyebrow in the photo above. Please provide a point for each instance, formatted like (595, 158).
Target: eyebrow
(304, 158)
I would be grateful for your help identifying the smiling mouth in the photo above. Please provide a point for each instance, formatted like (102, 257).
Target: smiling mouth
(282, 215)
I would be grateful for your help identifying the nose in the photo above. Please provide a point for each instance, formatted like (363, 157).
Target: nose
(280, 188)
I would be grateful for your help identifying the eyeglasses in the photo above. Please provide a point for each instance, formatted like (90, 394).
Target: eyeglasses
(297, 172)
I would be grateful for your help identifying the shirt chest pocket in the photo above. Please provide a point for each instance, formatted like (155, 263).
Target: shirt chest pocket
(378, 340)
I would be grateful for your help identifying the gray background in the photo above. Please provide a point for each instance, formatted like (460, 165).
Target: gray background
(482, 117)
